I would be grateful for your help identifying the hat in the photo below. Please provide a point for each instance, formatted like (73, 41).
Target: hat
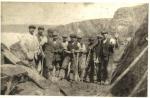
(99, 36)
(55, 34)
(79, 36)
(32, 26)
(50, 30)
(40, 28)
(104, 32)
(91, 38)
(73, 35)
(64, 36)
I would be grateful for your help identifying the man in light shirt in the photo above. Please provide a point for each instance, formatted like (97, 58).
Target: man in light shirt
(64, 42)
(30, 45)
(42, 41)
(82, 57)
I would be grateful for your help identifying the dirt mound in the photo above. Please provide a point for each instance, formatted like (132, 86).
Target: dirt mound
(130, 80)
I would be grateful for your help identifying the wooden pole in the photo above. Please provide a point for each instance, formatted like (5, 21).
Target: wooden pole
(139, 84)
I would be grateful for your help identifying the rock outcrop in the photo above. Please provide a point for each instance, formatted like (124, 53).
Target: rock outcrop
(125, 86)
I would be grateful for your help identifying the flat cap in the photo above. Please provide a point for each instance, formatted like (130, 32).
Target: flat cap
(99, 36)
(40, 28)
(91, 39)
(104, 32)
(73, 35)
(79, 36)
(49, 30)
(32, 26)
(64, 36)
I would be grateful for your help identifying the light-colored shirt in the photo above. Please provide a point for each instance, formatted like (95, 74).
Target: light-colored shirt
(82, 47)
(29, 44)
(42, 40)
(64, 45)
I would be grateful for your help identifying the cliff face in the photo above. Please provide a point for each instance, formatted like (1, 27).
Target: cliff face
(85, 28)
(133, 49)
(127, 20)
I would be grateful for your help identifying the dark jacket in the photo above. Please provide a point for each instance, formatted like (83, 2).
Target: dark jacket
(106, 49)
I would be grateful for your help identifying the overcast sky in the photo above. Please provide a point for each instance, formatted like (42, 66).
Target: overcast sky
(57, 13)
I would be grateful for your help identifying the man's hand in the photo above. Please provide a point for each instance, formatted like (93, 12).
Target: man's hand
(67, 51)
(72, 51)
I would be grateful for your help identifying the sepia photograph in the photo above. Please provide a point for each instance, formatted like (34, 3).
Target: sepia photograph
(74, 49)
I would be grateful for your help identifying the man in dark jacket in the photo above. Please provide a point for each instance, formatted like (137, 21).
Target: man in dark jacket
(57, 52)
(70, 57)
(89, 73)
(106, 46)
(97, 58)
(48, 51)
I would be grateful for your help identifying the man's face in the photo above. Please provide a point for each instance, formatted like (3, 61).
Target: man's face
(55, 38)
(50, 33)
(31, 30)
(40, 32)
(73, 39)
(64, 39)
(79, 39)
(105, 35)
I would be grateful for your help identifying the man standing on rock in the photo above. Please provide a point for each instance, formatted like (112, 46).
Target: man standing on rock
(30, 45)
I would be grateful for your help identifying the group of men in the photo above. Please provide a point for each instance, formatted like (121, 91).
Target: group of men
(68, 59)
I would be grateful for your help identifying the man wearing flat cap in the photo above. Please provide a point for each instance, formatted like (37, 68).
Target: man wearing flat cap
(42, 40)
(70, 56)
(82, 57)
(105, 57)
(30, 45)
(89, 72)
(64, 42)
(57, 51)
(48, 67)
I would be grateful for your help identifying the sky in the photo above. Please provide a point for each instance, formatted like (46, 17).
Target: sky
(57, 13)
